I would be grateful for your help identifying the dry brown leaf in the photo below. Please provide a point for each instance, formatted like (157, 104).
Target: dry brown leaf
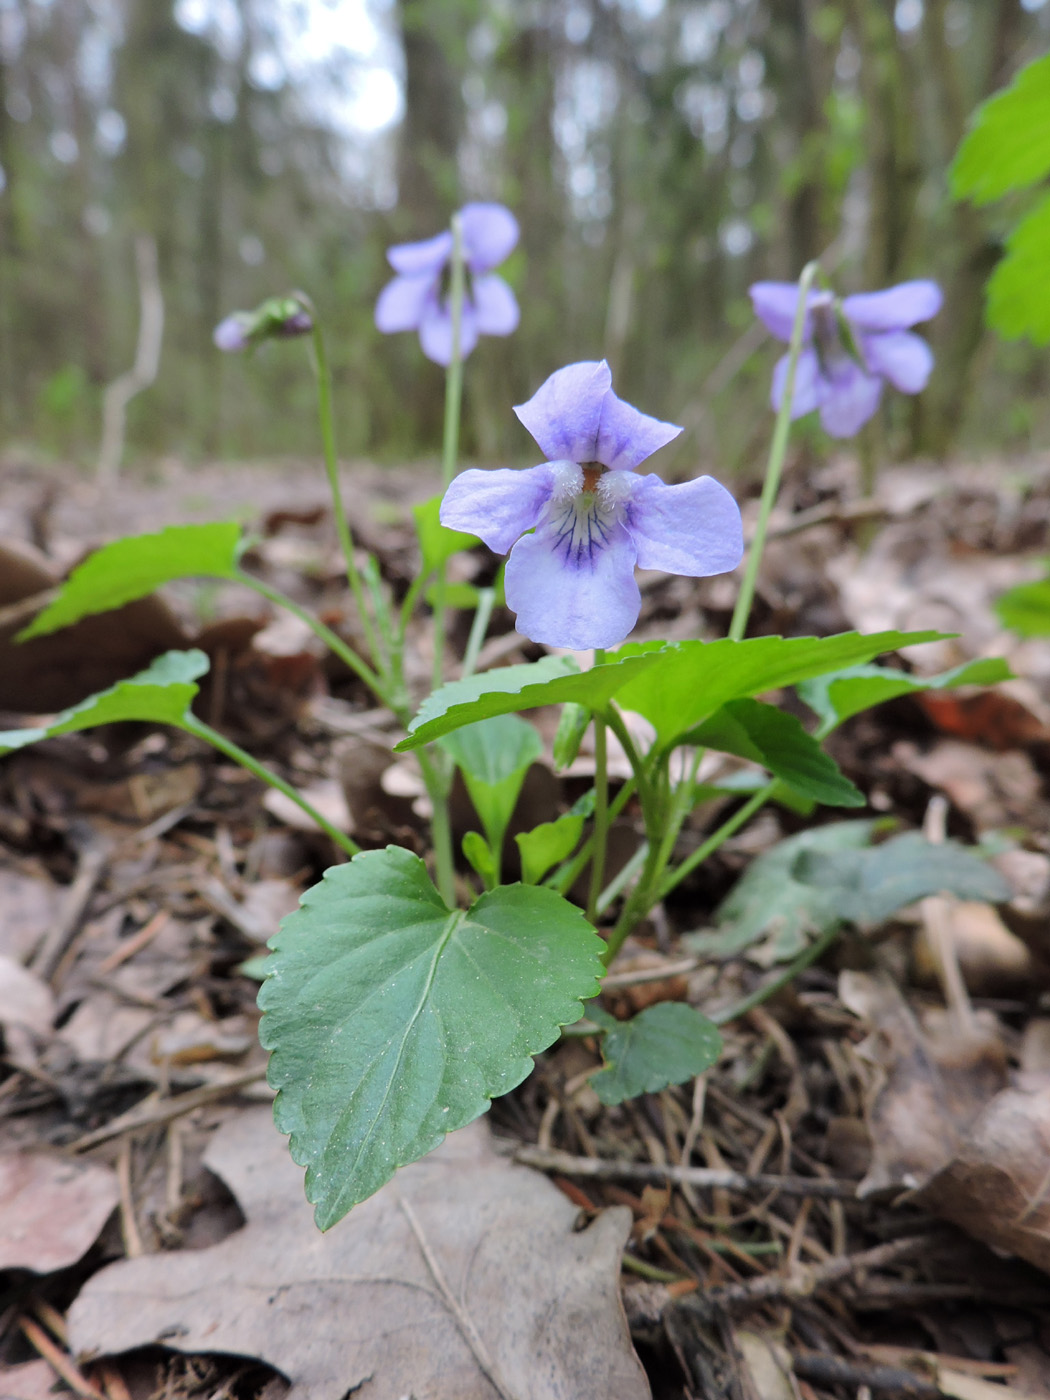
(32, 1380)
(51, 1209)
(30, 904)
(997, 1185)
(464, 1267)
(931, 1083)
(25, 1000)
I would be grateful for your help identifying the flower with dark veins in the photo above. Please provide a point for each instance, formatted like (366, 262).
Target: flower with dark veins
(592, 517)
(418, 300)
(849, 348)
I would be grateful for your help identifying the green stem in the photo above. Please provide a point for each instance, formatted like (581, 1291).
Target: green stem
(566, 875)
(234, 751)
(331, 639)
(323, 374)
(601, 815)
(453, 410)
(727, 829)
(616, 886)
(769, 989)
(437, 785)
(478, 628)
(775, 465)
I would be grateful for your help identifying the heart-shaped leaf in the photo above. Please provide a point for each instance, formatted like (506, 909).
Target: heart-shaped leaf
(393, 1019)
(494, 755)
(437, 543)
(133, 567)
(778, 741)
(665, 1044)
(161, 694)
(839, 695)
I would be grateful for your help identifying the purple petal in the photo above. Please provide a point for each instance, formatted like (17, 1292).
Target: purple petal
(404, 302)
(435, 333)
(626, 437)
(489, 233)
(901, 357)
(497, 505)
(894, 309)
(412, 259)
(807, 372)
(848, 400)
(231, 334)
(564, 414)
(592, 603)
(691, 529)
(775, 304)
(494, 305)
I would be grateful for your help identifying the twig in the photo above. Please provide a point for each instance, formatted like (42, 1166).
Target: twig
(93, 855)
(803, 1282)
(143, 372)
(129, 1225)
(59, 1362)
(827, 1370)
(704, 1177)
(151, 1113)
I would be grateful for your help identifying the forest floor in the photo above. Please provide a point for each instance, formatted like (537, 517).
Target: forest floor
(854, 1202)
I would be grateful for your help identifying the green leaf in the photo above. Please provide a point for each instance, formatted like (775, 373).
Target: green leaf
(452, 595)
(1026, 609)
(552, 681)
(1008, 144)
(571, 728)
(394, 1020)
(777, 740)
(665, 1044)
(162, 694)
(436, 543)
(494, 756)
(868, 886)
(479, 855)
(550, 842)
(770, 903)
(131, 568)
(687, 683)
(1019, 288)
(840, 695)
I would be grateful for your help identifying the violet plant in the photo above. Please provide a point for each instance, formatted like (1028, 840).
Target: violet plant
(400, 998)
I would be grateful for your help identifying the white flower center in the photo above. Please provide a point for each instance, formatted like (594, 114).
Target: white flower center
(585, 508)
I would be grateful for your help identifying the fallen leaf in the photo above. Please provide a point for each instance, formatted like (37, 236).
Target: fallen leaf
(997, 1185)
(32, 1380)
(930, 1083)
(463, 1268)
(30, 903)
(25, 1000)
(51, 1209)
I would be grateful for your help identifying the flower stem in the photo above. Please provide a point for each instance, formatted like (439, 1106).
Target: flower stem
(478, 628)
(775, 464)
(601, 808)
(331, 639)
(239, 755)
(716, 839)
(434, 764)
(323, 375)
(805, 959)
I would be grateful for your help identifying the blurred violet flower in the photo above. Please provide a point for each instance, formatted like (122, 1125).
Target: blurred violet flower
(592, 517)
(279, 318)
(849, 347)
(417, 299)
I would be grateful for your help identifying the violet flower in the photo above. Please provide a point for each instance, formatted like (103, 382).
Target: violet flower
(571, 581)
(279, 318)
(849, 347)
(417, 299)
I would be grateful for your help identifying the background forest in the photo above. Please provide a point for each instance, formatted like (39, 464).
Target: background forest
(659, 154)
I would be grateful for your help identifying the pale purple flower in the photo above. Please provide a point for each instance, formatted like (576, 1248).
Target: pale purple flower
(417, 299)
(592, 517)
(844, 381)
(280, 318)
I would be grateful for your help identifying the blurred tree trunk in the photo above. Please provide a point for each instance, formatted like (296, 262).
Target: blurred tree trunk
(428, 153)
